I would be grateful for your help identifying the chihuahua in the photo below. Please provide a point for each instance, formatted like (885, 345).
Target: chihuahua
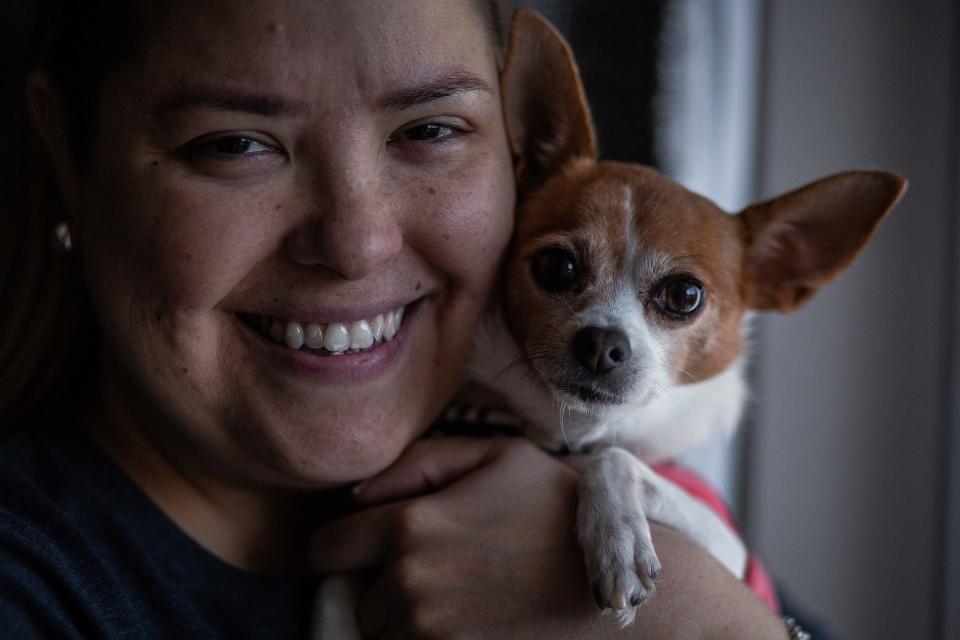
(620, 330)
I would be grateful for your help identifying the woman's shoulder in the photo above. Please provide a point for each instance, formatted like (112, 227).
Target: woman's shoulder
(46, 488)
(82, 550)
(52, 582)
(84, 553)
(36, 480)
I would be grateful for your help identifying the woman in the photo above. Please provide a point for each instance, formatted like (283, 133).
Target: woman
(241, 182)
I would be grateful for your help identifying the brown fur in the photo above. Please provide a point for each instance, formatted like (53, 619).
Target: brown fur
(583, 209)
(773, 256)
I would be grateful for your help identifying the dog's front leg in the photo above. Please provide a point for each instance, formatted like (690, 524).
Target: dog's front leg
(614, 534)
(335, 609)
(617, 495)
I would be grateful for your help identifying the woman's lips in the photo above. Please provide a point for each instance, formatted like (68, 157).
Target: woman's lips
(334, 338)
(333, 365)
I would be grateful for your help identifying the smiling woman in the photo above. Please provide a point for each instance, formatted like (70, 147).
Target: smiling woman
(314, 197)
(277, 227)
(49, 330)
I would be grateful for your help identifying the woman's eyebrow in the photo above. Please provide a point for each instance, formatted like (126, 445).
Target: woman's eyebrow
(434, 89)
(223, 99)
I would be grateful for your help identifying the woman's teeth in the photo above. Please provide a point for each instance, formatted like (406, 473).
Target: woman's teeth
(335, 338)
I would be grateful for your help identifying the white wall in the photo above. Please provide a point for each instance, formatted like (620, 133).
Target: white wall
(843, 459)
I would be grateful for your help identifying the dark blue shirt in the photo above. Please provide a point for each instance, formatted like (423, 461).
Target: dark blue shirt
(84, 553)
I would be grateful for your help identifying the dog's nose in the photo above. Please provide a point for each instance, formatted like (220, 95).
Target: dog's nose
(601, 350)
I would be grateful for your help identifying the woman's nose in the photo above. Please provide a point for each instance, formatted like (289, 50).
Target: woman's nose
(352, 228)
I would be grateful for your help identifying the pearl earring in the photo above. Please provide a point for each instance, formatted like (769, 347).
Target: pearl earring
(62, 241)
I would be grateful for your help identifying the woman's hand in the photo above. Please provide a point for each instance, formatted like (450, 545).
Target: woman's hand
(490, 552)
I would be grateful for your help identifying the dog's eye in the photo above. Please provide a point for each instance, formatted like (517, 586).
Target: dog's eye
(681, 297)
(556, 270)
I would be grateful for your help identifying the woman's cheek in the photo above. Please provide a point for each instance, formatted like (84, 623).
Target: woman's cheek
(157, 270)
(469, 222)
(202, 241)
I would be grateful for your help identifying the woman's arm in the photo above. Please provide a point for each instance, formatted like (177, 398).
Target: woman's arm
(486, 549)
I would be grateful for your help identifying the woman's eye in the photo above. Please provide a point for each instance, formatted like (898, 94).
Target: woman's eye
(427, 132)
(236, 146)
(232, 155)
(556, 270)
(681, 297)
(430, 131)
(227, 148)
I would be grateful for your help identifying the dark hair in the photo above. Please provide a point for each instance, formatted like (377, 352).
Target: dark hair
(48, 335)
(83, 42)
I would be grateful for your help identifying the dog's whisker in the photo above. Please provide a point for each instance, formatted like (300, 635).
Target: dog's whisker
(549, 326)
(691, 376)
(666, 365)
(671, 393)
(516, 362)
(561, 407)
(573, 314)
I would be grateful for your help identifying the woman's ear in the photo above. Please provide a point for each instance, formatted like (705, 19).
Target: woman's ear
(548, 120)
(48, 115)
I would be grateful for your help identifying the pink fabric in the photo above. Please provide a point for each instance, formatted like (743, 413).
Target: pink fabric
(756, 575)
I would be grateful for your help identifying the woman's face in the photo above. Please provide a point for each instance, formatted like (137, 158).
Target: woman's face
(295, 162)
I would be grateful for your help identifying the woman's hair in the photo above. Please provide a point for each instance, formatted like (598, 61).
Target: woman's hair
(48, 335)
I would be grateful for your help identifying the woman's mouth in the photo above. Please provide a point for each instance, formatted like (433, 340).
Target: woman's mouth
(329, 339)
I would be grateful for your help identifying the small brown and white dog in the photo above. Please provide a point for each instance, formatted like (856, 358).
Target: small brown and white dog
(620, 331)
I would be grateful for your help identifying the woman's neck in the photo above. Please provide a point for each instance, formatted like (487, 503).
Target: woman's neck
(262, 530)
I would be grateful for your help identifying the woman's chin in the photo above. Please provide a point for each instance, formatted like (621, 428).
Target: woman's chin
(344, 450)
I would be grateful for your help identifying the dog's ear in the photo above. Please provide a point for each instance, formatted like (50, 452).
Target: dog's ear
(548, 120)
(796, 243)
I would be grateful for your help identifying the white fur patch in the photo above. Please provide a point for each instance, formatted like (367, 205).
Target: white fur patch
(681, 417)
(618, 494)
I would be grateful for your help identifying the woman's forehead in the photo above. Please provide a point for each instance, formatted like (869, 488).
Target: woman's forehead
(354, 50)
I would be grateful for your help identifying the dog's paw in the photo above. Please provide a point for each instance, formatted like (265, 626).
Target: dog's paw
(621, 561)
(614, 534)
